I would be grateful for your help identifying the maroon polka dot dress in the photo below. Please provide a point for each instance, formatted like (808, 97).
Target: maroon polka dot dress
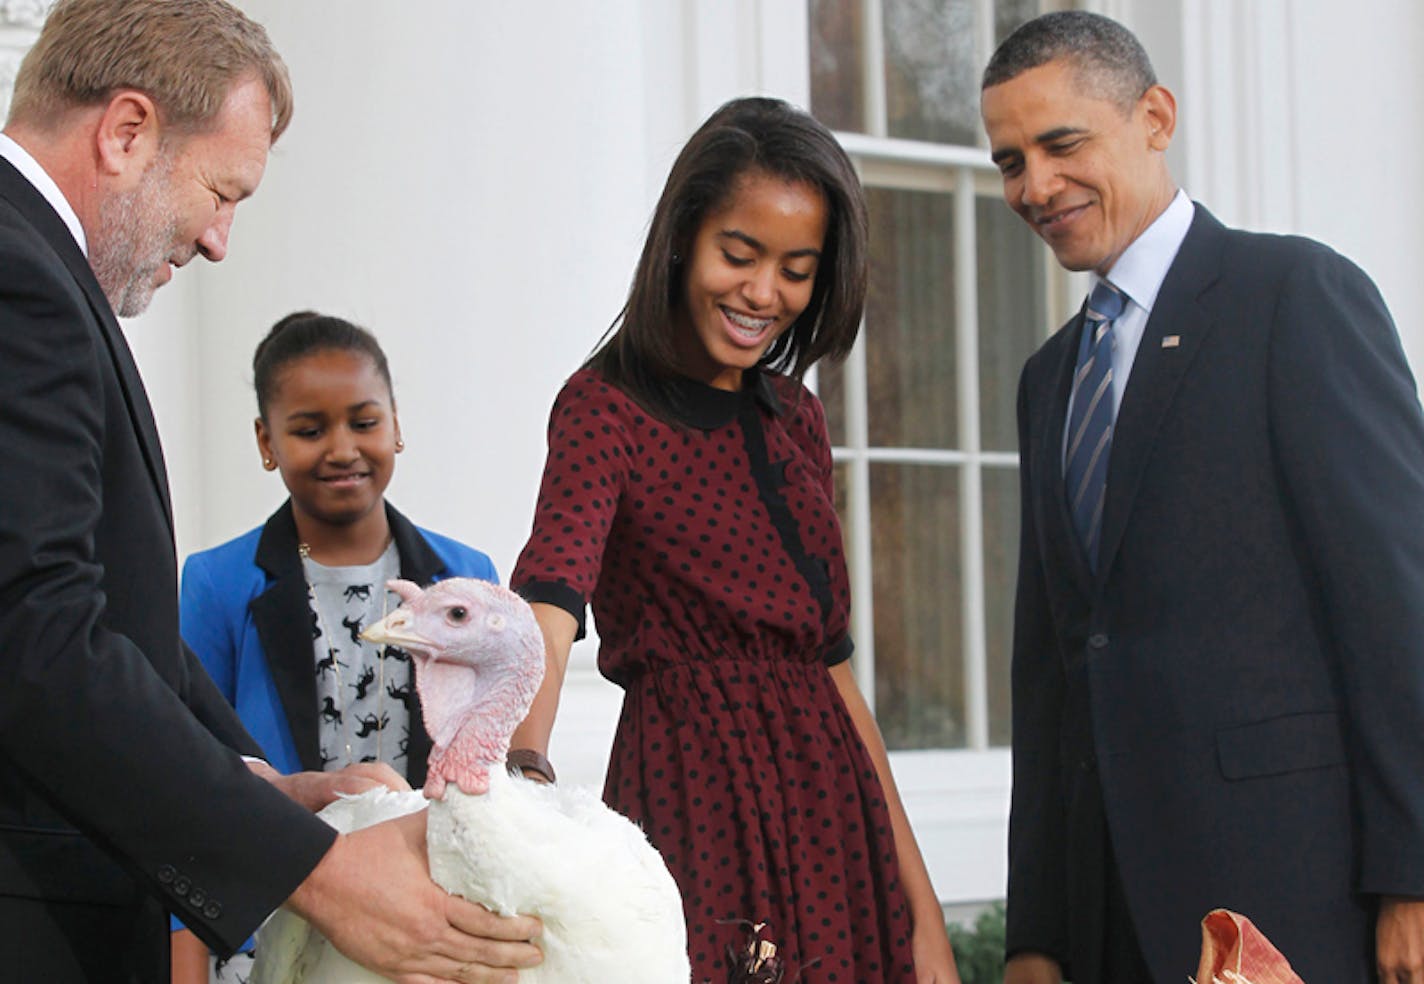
(711, 555)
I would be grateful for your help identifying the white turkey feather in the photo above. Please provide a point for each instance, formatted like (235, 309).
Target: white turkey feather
(289, 950)
(588, 872)
(523, 847)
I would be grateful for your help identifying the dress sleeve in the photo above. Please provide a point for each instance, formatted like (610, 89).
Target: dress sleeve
(808, 430)
(585, 475)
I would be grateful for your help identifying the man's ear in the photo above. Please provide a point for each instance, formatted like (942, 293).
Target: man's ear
(129, 135)
(1159, 109)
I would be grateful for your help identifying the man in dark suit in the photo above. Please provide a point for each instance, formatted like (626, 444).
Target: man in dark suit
(1217, 673)
(137, 125)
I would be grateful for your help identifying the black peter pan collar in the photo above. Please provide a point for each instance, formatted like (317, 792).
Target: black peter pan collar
(705, 407)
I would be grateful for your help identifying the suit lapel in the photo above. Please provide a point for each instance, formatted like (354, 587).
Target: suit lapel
(1054, 519)
(40, 214)
(282, 617)
(1157, 371)
(136, 397)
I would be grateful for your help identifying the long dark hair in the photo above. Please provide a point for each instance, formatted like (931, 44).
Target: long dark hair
(760, 135)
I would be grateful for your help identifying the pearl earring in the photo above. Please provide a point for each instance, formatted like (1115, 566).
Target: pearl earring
(268, 464)
(400, 445)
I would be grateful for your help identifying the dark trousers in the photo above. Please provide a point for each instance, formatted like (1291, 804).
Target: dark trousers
(74, 943)
(1102, 938)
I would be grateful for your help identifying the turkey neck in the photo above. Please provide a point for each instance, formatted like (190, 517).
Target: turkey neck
(480, 708)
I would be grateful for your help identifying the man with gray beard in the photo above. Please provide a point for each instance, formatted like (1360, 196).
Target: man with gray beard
(126, 261)
(127, 784)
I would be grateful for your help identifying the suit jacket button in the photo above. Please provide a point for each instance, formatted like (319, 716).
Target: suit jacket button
(166, 874)
(212, 910)
(1098, 640)
(181, 884)
(197, 897)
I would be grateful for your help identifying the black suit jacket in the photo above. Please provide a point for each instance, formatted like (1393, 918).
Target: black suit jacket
(1242, 678)
(119, 774)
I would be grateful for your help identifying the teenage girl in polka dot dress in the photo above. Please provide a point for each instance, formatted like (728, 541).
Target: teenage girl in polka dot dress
(687, 498)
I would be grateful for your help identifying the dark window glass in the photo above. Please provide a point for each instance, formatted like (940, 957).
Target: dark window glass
(1001, 561)
(1013, 316)
(931, 75)
(919, 663)
(1009, 14)
(837, 60)
(911, 362)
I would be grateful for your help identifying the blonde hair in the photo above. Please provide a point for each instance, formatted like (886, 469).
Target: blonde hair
(186, 55)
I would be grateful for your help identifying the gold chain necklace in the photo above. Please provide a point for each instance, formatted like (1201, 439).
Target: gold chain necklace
(304, 550)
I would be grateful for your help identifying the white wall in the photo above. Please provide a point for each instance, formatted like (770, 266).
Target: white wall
(465, 194)
(1302, 116)
(1360, 144)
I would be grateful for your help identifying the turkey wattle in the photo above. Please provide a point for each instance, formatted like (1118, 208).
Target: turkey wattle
(610, 909)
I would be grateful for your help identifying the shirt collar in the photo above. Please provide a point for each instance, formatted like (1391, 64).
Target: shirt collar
(1142, 267)
(36, 175)
(706, 407)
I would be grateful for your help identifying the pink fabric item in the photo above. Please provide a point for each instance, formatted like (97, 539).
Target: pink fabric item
(1234, 951)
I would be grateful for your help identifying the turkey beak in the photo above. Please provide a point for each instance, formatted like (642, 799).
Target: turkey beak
(395, 630)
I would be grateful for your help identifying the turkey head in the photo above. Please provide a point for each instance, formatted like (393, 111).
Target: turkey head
(479, 659)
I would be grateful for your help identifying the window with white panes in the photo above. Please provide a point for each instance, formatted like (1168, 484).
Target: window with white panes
(922, 415)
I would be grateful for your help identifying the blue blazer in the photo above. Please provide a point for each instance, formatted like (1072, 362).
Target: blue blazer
(244, 611)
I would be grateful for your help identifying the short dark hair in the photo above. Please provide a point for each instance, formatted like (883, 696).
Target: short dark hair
(185, 55)
(302, 333)
(745, 136)
(1107, 58)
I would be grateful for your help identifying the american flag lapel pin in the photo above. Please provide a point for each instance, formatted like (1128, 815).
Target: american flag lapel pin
(1171, 341)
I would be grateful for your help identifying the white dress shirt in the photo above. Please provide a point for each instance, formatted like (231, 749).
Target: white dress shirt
(44, 184)
(1138, 274)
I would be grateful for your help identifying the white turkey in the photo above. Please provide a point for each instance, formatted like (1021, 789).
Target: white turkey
(610, 909)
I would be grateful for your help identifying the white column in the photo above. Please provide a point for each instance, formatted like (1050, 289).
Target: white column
(743, 48)
(1293, 118)
(20, 21)
(1357, 97)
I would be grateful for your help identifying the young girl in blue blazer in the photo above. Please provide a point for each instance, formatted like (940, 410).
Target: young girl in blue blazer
(276, 614)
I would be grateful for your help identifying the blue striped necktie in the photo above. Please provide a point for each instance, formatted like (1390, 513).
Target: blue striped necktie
(1090, 425)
